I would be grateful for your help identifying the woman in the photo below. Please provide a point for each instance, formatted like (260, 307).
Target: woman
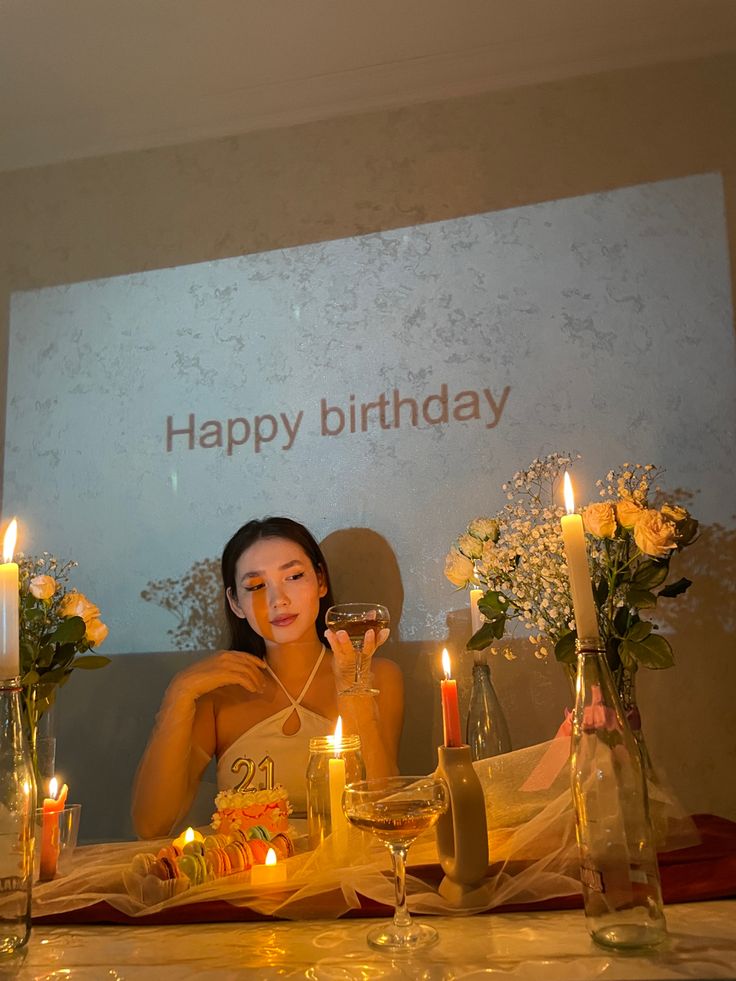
(274, 689)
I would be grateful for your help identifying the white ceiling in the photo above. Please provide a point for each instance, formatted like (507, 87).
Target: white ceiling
(82, 78)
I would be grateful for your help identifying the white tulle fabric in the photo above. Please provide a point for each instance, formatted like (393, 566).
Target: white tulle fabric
(531, 844)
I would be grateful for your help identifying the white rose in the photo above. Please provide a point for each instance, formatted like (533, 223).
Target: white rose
(470, 546)
(484, 528)
(42, 587)
(458, 569)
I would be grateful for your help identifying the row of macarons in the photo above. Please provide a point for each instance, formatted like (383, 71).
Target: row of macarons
(216, 856)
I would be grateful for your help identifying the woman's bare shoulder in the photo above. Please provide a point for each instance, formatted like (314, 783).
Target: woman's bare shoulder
(386, 669)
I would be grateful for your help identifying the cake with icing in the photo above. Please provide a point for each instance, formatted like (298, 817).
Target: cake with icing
(239, 811)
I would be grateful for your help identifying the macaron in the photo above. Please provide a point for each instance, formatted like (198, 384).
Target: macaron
(237, 855)
(143, 862)
(215, 841)
(258, 831)
(283, 845)
(259, 848)
(171, 866)
(193, 848)
(169, 851)
(218, 862)
(194, 868)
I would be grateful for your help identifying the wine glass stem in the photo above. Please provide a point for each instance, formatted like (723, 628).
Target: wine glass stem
(358, 648)
(401, 912)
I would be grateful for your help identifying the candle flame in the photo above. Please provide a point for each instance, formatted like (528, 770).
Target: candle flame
(337, 738)
(446, 663)
(569, 496)
(188, 835)
(53, 788)
(11, 534)
(270, 857)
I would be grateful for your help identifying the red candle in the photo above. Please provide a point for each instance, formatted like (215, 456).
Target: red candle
(450, 707)
(52, 807)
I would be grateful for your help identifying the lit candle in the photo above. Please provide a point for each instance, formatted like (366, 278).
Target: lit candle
(338, 821)
(450, 707)
(270, 873)
(9, 659)
(186, 837)
(52, 808)
(476, 620)
(573, 535)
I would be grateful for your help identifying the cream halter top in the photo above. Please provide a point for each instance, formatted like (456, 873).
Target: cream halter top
(290, 753)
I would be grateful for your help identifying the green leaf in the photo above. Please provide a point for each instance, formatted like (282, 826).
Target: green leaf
(654, 652)
(600, 592)
(649, 574)
(91, 661)
(482, 638)
(675, 588)
(565, 648)
(492, 604)
(31, 677)
(70, 631)
(639, 631)
(641, 599)
(659, 653)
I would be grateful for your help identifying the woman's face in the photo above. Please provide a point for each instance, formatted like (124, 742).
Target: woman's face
(277, 591)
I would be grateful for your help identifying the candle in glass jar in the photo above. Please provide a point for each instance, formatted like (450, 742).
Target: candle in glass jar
(573, 536)
(9, 637)
(450, 706)
(52, 808)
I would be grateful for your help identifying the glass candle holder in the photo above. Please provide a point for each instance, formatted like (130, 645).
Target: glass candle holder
(65, 831)
(328, 771)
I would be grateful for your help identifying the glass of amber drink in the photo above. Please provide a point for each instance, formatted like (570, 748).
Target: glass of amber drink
(356, 619)
(397, 810)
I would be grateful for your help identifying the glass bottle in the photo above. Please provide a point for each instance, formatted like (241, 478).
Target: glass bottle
(618, 861)
(17, 821)
(486, 731)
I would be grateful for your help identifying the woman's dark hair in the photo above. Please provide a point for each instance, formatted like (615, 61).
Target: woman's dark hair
(242, 635)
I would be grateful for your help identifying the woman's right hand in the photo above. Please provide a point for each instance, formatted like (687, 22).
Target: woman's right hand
(216, 671)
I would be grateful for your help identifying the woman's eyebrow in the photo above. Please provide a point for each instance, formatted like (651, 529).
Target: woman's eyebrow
(260, 572)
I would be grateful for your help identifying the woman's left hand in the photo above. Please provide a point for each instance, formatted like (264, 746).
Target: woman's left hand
(344, 664)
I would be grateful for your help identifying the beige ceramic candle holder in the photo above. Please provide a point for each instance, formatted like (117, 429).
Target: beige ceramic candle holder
(462, 831)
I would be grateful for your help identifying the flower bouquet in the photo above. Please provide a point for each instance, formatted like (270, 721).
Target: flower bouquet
(57, 626)
(518, 558)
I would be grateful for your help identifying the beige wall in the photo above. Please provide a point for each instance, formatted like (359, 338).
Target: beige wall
(350, 175)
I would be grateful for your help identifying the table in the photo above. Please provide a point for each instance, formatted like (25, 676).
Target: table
(543, 946)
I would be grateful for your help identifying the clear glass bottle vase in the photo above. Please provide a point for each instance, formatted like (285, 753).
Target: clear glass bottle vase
(618, 861)
(486, 731)
(17, 813)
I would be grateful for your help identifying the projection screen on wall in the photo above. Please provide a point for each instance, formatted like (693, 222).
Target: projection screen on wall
(391, 381)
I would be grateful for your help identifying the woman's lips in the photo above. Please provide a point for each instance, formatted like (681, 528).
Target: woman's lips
(284, 621)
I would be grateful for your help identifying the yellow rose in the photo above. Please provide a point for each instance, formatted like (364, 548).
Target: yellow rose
(654, 535)
(628, 512)
(42, 587)
(687, 527)
(600, 520)
(96, 632)
(76, 604)
(458, 569)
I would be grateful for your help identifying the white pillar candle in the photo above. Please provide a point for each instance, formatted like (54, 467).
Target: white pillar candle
(336, 777)
(573, 536)
(9, 637)
(476, 620)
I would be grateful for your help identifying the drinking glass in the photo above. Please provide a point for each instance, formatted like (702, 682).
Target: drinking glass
(397, 810)
(355, 619)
